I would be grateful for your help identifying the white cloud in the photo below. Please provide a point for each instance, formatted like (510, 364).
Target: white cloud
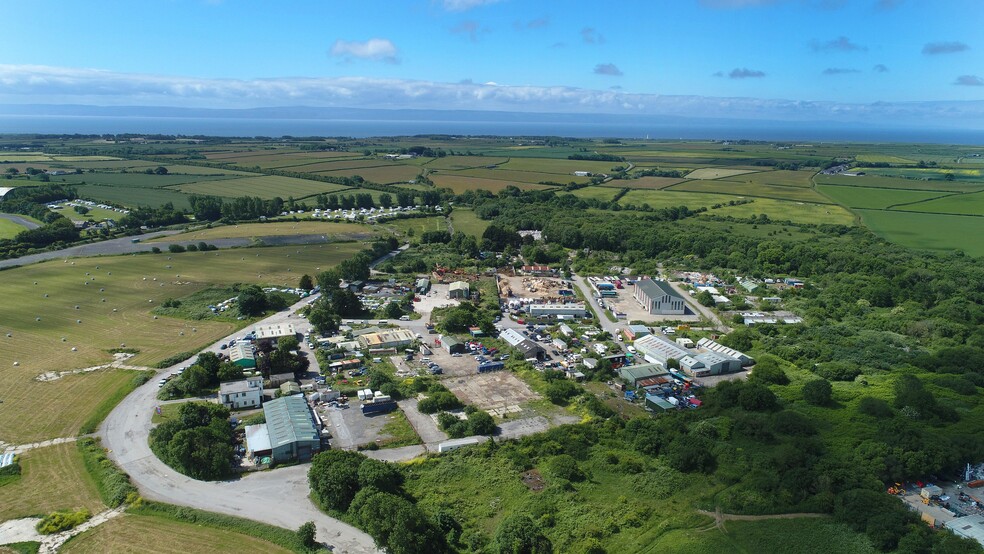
(463, 5)
(372, 49)
(26, 84)
(609, 69)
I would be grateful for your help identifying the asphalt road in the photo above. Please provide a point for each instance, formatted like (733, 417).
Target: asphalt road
(278, 497)
(27, 223)
(123, 245)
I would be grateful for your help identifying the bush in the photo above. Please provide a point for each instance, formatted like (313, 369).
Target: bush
(817, 392)
(560, 392)
(439, 402)
(56, 522)
(175, 248)
(113, 484)
(874, 407)
(307, 533)
(564, 467)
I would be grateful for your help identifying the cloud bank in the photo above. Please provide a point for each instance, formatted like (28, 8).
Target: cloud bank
(379, 49)
(25, 84)
(745, 73)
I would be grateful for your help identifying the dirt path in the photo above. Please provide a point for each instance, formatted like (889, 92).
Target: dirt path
(720, 517)
(51, 543)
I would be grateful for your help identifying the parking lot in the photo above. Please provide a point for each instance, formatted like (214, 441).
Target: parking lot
(634, 311)
(349, 428)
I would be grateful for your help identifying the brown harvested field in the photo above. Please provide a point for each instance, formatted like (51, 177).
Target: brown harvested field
(461, 184)
(139, 533)
(498, 390)
(781, 177)
(560, 166)
(384, 174)
(278, 228)
(717, 173)
(464, 162)
(520, 176)
(52, 478)
(651, 183)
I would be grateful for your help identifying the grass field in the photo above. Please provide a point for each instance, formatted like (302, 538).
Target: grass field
(52, 478)
(561, 167)
(797, 194)
(278, 228)
(37, 346)
(781, 177)
(783, 536)
(460, 184)
(883, 158)
(134, 196)
(463, 162)
(467, 222)
(419, 225)
(646, 183)
(9, 229)
(926, 174)
(928, 231)
(266, 186)
(385, 174)
(140, 533)
(597, 192)
(138, 179)
(666, 198)
(960, 204)
(874, 181)
(797, 212)
(518, 176)
(717, 173)
(862, 197)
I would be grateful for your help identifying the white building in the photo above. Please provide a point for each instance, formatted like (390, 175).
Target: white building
(658, 297)
(512, 336)
(237, 395)
(557, 310)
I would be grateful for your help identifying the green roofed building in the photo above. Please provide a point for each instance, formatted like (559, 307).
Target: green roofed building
(634, 373)
(294, 434)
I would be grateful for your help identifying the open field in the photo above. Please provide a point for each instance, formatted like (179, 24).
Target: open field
(463, 162)
(518, 176)
(603, 193)
(928, 231)
(883, 158)
(783, 177)
(461, 184)
(959, 204)
(52, 478)
(139, 179)
(133, 197)
(717, 173)
(266, 186)
(467, 222)
(385, 174)
(927, 174)
(278, 228)
(787, 536)
(800, 194)
(418, 224)
(561, 167)
(133, 285)
(666, 198)
(646, 183)
(9, 229)
(797, 212)
(875, 198)
(874, 181)
(140, 533)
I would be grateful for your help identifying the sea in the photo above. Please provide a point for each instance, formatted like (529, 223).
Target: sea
(356, 128)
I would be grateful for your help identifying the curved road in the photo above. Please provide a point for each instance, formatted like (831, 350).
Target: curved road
(278, 497)
(27, 223)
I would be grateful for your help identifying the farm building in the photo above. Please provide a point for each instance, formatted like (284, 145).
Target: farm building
(452, 345)
(582, 173)
(708, 344)
(289, 388)
(512, 336)
(389, 338)
(558, 310)
(658, 297)
(633, 332)
(236, 395)
(459, 289)
(530, 350)
(267, 335)
(971, 527)
(539, 270)
(242, 355)
(422, 286)
(634, 374)
(294, 435)
(658, 404)
(257, 441)
(342, 365)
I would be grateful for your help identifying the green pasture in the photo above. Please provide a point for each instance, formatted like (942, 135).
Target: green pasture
(754, 189)
(928, 174)
(875, 198)
(875, 181)
(959, 204)
(384, 174)
(266, 186)
(785, 210)
(717, 173)
(9, 229)
(463, 162)
(53, 478)
(605, 194)
(467, 222)
(519, 176)
(275, 228)
(138, 179)
(460, 184)
(928, 231)
(133, 197)
(783, 177)
(561, 167)
(647, 183)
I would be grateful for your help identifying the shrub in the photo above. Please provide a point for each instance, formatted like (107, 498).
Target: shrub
(874, 407)
(564, 467)
(560, 392)
(56, 522)
(307, 533)
(175, 248)
(438, 402)
(817, 392)
(113, 484)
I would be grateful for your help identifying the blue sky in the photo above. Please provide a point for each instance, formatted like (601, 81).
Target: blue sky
(657, 56)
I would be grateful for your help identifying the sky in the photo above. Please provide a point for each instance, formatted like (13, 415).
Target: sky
(781, 59)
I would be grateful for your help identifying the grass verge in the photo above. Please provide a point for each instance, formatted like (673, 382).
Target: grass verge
(102, 410)
(113, 484)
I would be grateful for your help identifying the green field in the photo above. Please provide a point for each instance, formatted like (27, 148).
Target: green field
(605, 194)
(783, 536)
(138, 179)
(52, 478)
(9, 229)
(460, 184)
(875, 198)
(464, 162)
(467, 222)
(928, 231)
(926, 174)
(133, 285)
(133, 197)
(141, 533)
(959, 204)
(797, 212)
(874, 181)
(419, 225)
(384, 174)
(717, 173)
(266, 186)
(796, 194)
(649, 183)
(802, 178)
(518, 176)
(275, 228)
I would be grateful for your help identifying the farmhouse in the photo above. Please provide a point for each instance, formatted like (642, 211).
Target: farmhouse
(582, 173)
(293, 433)
(658, 297)
(558, 310)
(389, 338)
(458, 289)
(236, 395)
(242, 355)
(267, 335)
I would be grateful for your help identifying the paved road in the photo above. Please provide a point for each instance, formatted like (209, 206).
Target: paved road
(20, 220)
(123, 245)
(277, 497)
(603, 321)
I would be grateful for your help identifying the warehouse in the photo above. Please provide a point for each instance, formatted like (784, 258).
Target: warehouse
(712, 363)
(242, 355)
(459, 289)
(267, 335)
(633, 332)
(422, 286)
(294, 435)
(657, 350)
(634, 374)
(708, 344)
(658, 297)
(512, 336)
(530, 350)
(386, 339)
(971, 527)
(452, 345)
(557, 310)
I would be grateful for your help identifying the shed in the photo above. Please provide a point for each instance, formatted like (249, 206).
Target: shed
(242, 355)
(458, 289)
(452, 345)
(290, 388)
(658, 404)
(633, 374)
(258, 440)
(292, 429)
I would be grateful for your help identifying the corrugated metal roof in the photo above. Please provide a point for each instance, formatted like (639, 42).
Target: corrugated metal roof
(288, 419)
(653, 289)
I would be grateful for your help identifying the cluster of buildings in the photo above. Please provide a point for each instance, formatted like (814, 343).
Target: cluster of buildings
(709, 357)
(292, 432)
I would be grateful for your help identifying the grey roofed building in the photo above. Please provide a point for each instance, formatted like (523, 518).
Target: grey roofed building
(655, 349)
(530, 350)
(714, 346)
(512, 336)
(293, 433)
(632, 374)
(658, 297)
(971, 527)
(452, 345)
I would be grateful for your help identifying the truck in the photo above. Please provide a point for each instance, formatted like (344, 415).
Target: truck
(378, 407)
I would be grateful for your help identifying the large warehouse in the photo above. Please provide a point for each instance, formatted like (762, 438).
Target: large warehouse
(294, 435)
(388, 338)
(658, 297)
(658, 350)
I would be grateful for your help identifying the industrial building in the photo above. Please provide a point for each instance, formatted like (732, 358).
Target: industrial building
(459, 289)
(386, 339)
(242, 355)
(753, 318)
(530, 350)
(266, 335)
(708, 344)
(452, 345)
(633, 332)
(971, 527)
(236, 395)
(634, 374)
(512, 336)
(538, 270)
(658, 297)
(422, 286)
(293, 432)
(558, 310)
(657, 350)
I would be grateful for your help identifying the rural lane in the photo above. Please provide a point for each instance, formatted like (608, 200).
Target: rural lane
(278, 497)
(26, 223)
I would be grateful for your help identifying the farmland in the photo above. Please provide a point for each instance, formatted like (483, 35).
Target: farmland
(460, 184)
(751, 188)
(876, 198)
(277, 228)
(267, 186)
(645, 183)
(928, 231)
(52, 478)
(716, 173)
(8, 229)
(959, 204)
(467, 222)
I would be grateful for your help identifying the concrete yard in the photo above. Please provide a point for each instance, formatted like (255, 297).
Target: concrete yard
(525, 286)
(498, 392)
(349, 428)
(634, 311)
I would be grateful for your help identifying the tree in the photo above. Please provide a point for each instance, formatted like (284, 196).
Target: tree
(705, 298)
(334, 478)
(307, 533)
(767, 370)
(756, 397)
(161, 170)
(817, 392)
(175, 248)
(481, 423)
(564, 466)
(393, 310)
(252, 301)
(306, 282)
(385, 200)
(379, 475)
(517, 534)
